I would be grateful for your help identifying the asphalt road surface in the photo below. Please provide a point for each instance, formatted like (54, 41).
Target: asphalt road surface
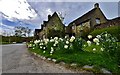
(16, 59)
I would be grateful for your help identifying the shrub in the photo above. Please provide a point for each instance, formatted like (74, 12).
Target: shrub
(111, 46)
(103, 49)
(113, 30)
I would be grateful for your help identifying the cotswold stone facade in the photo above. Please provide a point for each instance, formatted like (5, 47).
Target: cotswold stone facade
(51, 28)
(109, 23)
(86, 23)
(79, 27)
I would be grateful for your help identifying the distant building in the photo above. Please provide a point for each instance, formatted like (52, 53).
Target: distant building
(79, 27)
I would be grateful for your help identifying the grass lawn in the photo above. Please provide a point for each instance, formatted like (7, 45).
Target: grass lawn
(83, 58)
(100, 52)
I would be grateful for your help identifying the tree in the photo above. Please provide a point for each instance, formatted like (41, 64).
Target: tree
(28, 31)
(62, 16)
(22, 31)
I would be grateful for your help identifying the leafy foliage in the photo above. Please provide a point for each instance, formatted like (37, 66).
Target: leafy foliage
(101, 51)
(113, 30)
(22, 31)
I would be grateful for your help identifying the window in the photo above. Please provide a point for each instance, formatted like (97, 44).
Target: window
(97, 20)
(73, 27)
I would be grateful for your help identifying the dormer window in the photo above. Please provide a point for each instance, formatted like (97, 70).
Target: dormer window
(97, 20)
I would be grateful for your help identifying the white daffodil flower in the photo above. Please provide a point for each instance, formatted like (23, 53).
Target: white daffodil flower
(66, 46)
(54, 45)
(98, 36)
(44, 48)
(55, 38)
(72, 39)
(96, 40)
(56, 42)
(41, 47)
(67, 42)
(94, 49)
(89, 43)
(52, 40)
(101, 49)
(89, 36)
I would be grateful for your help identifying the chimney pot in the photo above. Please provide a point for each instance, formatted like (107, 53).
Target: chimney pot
(96, 5)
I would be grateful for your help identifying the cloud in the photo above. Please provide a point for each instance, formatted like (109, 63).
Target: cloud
(68, 9)
(48, 11)
(45, 13)
(1, 31)
(19, 9)
(73, 0)
(7, 26)
(6, 30)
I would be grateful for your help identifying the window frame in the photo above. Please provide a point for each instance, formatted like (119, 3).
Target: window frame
(97, 20)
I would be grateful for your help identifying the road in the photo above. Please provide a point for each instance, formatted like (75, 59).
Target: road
(16, 59)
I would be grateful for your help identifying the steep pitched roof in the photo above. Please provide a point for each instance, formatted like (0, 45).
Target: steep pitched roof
(85, 16)
(82, 17)
(54, 14)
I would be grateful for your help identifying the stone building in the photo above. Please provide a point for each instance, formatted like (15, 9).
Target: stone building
(109, 23)
(36, 33)
(82, 26)
(51, 28)
(86, 23)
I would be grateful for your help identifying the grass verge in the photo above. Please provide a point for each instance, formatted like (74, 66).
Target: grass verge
(83, 58)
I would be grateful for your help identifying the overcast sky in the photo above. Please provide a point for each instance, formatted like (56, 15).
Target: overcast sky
(32, 14)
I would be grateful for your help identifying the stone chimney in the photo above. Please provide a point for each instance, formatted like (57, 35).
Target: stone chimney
(49, 16)
(96, 5)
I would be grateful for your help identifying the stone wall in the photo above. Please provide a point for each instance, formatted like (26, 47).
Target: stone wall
(113, 22)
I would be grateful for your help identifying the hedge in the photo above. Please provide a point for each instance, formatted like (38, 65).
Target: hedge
(113, 30)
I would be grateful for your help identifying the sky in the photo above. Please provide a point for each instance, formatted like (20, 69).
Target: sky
(31, 14)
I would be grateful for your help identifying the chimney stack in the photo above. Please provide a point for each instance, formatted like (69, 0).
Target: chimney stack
(96, 5)
(49, 16)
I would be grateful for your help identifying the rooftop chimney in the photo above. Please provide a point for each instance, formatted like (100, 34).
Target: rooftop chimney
(96, 5)
(49, 16)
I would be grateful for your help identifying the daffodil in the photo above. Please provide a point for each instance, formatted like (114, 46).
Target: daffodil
(56, 42)
(36, 41)
(60, 39)
(89, 36)
(55, 38)
(44, 51)
(89, 43)
(41, 47)
(96, 40)
(72, 39)
(66, 46)
(98, 36)
(94, 49)
(54, 45)
(67, 42)
(52, 40)
(44, 48)
(65, 36)
(101, 49)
